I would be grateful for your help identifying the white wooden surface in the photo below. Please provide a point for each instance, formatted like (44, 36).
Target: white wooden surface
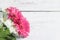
(32, 4)
(44, 25)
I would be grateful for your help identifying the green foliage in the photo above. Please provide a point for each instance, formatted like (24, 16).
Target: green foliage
(5, 33)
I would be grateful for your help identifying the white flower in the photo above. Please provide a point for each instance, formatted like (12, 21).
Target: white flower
(9, 25)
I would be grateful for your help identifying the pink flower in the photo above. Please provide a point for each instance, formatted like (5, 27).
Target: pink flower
(21, 24)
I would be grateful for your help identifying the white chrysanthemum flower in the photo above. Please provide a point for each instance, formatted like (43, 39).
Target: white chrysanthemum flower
(9, 25)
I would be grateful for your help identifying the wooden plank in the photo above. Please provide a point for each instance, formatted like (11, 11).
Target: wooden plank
(32, 4)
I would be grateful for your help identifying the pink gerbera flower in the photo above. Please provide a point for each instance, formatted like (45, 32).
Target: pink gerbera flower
(21, 24)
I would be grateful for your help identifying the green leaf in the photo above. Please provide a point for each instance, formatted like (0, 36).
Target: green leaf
(4, 33)
(2, 39)
(10, 37)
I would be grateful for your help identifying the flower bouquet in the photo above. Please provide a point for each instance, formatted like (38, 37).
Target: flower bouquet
(13, 24)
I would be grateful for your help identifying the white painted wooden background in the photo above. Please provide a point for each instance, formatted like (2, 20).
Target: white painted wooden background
(32, 4)
(44, 25)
